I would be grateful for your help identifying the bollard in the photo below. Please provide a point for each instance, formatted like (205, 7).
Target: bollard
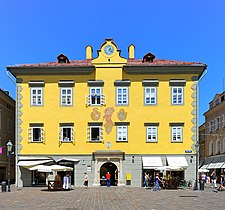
(3, 186)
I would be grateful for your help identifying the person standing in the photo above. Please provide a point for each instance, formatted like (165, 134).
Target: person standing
(221, 187)
(146, 179)
(108, 176)
(157, 179)
(213, 178)
(85, 179)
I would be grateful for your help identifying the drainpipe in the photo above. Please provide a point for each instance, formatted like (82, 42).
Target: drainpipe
(197, 131)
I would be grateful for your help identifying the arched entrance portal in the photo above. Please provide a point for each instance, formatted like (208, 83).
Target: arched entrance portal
(112, 169)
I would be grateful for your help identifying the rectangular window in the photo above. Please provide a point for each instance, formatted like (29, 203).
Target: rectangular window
(223, 120)
(95, 132)
(36, 96)
(150, 96)
(177, 95)
(9, 126)
(95, 98)
(176, 133)
(121, 133)
(152, 134)
(0, 119)
(66, 133)
(217, 123)
(36, 133)
(95, 95)
(122, 95)
(66, 96)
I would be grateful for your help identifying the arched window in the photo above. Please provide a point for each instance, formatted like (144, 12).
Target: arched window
(224, 145)
(218, 147)
(211, 148)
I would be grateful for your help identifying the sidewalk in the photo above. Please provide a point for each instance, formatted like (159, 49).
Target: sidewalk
(112, 198)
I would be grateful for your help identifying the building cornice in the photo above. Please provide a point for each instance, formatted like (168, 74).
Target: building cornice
(166, 69)
(50, 70)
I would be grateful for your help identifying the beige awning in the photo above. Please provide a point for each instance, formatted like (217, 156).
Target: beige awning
(30, 163)
(177, 161)
(151, 162)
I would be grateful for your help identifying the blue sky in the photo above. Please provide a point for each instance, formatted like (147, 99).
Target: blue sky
(186, 30)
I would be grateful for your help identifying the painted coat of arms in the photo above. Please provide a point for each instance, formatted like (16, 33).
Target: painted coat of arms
(95, 115)
(122, 115)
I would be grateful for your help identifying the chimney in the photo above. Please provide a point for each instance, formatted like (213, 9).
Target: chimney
(131, 51)
(89, 52)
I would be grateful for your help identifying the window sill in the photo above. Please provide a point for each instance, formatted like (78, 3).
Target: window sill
(176, 141)
(121, 141)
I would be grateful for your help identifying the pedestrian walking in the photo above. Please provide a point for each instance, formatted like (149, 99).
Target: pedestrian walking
(213, 178)
(221, 187)
(146, 179)
(108, 177)
(157, 187)
(85, 179)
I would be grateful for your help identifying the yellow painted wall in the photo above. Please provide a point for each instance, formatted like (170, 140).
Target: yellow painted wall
(51, 114)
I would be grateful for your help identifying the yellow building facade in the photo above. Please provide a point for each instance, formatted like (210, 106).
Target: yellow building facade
(109, 113)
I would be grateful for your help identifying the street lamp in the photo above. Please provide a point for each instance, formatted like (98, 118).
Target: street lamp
(9, 146)
(197, 145)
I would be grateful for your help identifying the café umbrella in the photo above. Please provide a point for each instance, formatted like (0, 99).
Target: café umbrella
(44, 168)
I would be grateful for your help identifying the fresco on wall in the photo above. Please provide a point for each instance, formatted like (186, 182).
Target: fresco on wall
(95, 115)
(122, 115)
(108, 121)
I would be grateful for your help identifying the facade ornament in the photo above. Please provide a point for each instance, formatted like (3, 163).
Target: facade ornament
(95, 115)
(122, 115)
(108, 121)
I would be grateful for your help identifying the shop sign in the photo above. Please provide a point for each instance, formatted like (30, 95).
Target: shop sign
(0, 150)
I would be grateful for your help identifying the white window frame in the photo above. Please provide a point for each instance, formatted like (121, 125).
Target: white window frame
(176, 133)
(31, 134)
(122, 133)
(36, 99)
(122, 98)
(179, 97)
(95, 96)
(151, 96)
(66, 138)
(66, 99)
(152, 132)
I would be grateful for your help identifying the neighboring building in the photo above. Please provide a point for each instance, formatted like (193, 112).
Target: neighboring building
(7, 132)
(125, 116)
(215, 135)
(202, 138)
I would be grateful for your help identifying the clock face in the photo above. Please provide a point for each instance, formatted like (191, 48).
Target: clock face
(108, 50)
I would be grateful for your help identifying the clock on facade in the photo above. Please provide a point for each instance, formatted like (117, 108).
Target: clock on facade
(108, 49)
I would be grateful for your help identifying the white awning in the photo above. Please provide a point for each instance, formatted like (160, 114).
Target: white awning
(33, 158)
(204, 166)
(211, 166)
(29, 163)
(43, 168)
(219, 165)
(68, 159)
(177, 161)
(151, 162)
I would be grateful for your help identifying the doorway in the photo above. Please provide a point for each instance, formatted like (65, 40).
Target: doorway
(112, 169)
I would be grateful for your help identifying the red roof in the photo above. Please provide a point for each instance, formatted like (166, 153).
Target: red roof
(130, 62)
(72, 63)
(138, 62)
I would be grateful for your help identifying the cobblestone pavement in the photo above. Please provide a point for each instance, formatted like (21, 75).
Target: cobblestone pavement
(112, 198)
